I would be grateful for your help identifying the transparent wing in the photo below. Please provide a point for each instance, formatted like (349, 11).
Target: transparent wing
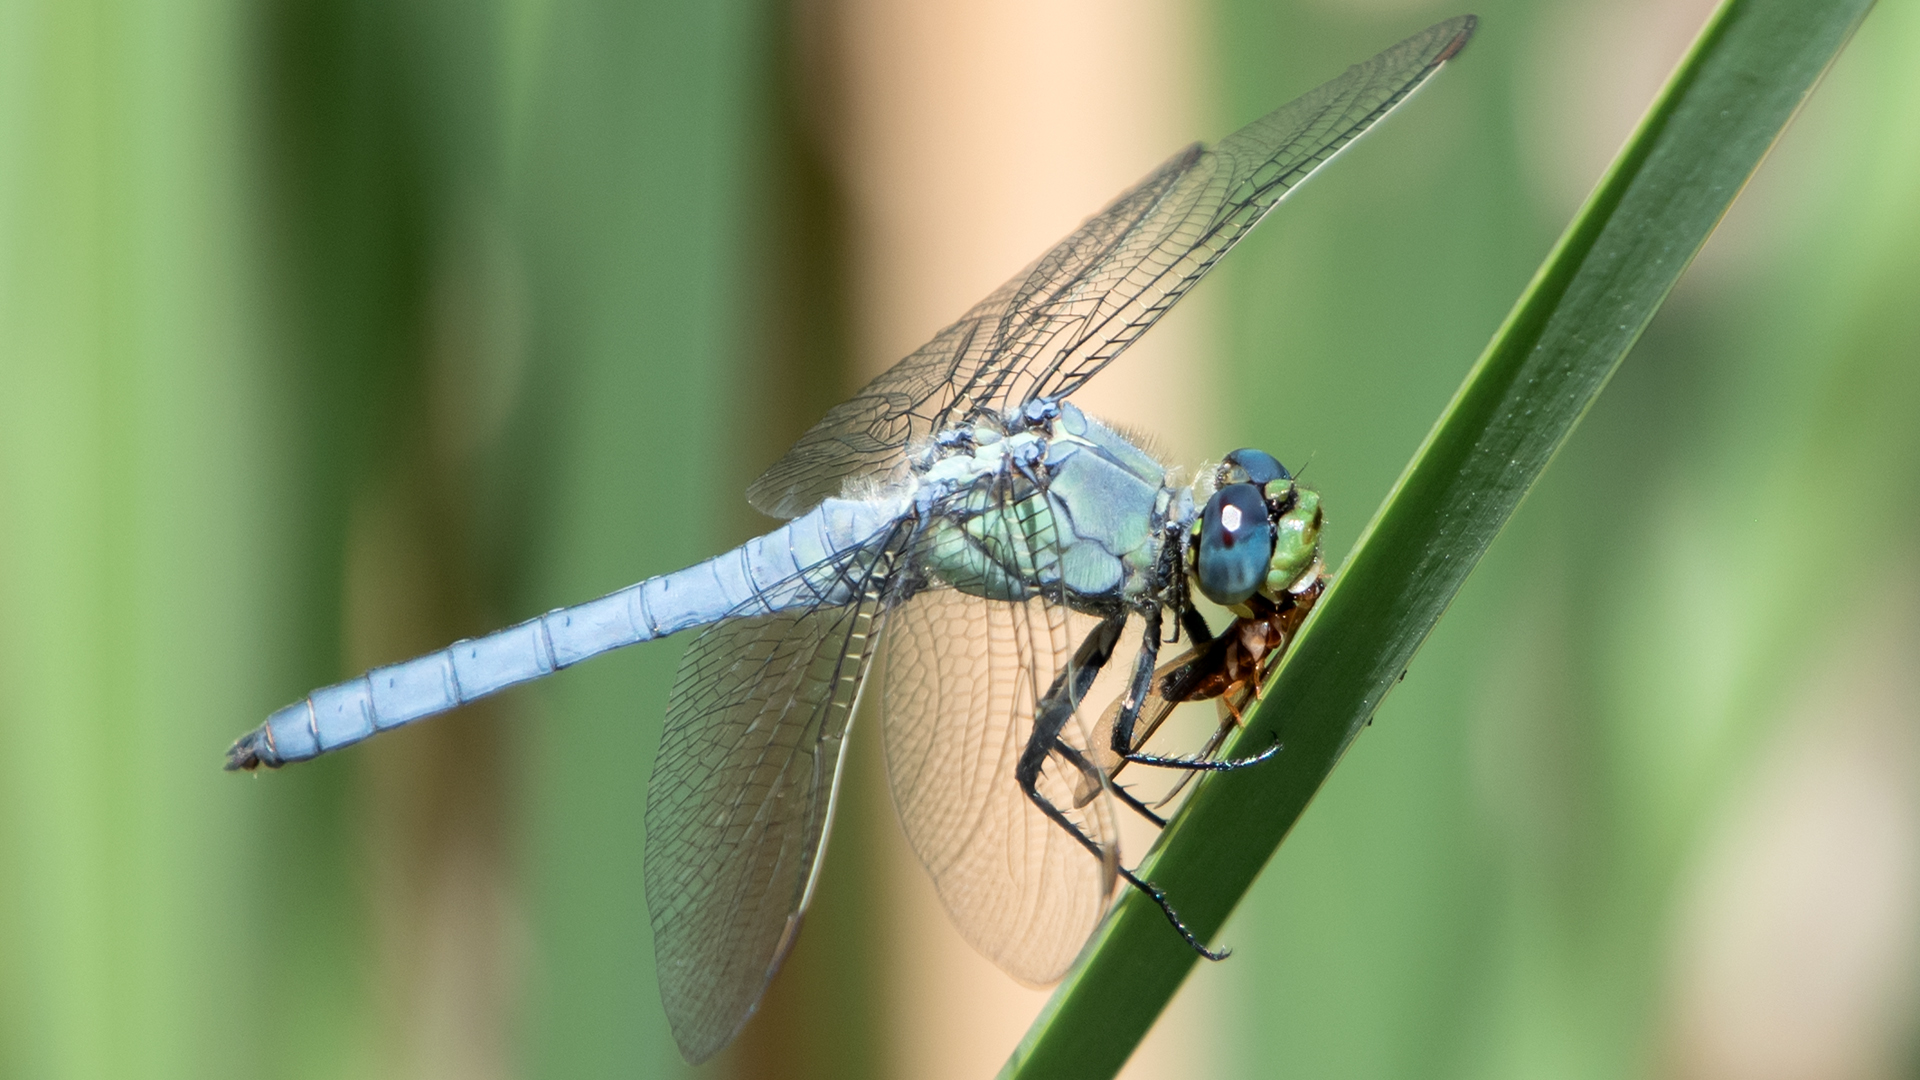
(968, 660)
(741, 796)
(1061, 320)
(961, 676)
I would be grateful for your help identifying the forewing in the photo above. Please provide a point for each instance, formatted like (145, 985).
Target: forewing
(961, 676)
(740, 799)
(967, 367)
(1057, 323)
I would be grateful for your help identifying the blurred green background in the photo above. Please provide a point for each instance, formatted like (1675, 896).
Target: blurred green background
(331, 330)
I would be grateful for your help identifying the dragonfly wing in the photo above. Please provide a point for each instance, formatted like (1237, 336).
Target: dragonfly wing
(1062, 319)
(741, 797)
(960, 678)
(967, 368)
(968, 661)
(1225, 192)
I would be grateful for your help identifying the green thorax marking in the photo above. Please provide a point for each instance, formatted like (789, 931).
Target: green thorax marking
(1092, 526)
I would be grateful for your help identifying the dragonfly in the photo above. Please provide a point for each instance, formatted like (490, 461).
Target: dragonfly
(965, 535)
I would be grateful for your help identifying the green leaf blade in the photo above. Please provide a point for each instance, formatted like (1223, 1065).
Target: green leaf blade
(1752, 67)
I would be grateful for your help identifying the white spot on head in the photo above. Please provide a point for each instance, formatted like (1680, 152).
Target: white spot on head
(1230, 518)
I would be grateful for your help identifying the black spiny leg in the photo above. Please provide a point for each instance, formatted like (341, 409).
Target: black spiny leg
(1049, 718)
(1154, 892)
(1196, 626)
(1180, 594)
(1137, 696)
(1133, 803)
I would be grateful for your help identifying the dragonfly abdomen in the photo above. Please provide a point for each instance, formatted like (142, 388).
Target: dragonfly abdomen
(793, 566)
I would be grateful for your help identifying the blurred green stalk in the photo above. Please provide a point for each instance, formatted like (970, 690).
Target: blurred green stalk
(145, 508)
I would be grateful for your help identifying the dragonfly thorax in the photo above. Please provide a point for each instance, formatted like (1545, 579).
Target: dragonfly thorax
(1043, 501)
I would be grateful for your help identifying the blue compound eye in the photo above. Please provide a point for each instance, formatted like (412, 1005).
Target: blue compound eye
(1235, 544)
(1256, 467)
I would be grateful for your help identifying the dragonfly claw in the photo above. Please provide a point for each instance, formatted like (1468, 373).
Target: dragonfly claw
(1159, 897)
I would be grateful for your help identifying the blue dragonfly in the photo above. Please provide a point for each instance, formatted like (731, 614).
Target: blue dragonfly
(963, 531)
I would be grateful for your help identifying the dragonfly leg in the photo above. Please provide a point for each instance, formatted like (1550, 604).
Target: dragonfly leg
(1195, 625)
(1154, 892)
(1051, 712)
(1130, 711)
(1159, 896)
(1133, 801)
(1028, 784)
(1138, 686)
(1203, 764)
(1179, 595)
(1050, 717)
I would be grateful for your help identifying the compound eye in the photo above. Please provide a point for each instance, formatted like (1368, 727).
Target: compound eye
(1236, 543)
(1248, 466)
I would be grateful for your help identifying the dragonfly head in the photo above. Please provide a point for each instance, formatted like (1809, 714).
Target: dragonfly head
(1259, 532)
